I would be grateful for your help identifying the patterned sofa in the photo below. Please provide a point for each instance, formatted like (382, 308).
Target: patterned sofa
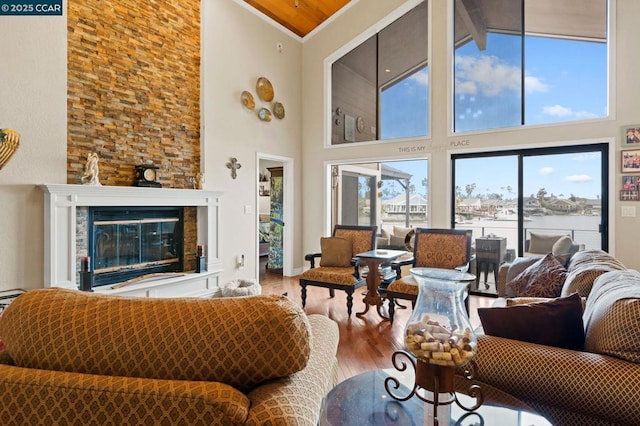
(81, 358)
(597, 385)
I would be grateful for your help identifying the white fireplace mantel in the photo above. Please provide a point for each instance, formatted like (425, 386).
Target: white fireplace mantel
(60, 205)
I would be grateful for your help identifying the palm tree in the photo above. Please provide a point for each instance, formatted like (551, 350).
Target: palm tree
(541, 194)
(469, 188)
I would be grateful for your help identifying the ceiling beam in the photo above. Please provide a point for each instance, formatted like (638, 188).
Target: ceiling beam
(473, 18)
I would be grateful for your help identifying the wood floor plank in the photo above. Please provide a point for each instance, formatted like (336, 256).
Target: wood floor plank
(366, 343)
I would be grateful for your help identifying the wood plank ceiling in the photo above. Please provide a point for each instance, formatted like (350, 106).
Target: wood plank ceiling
(299, 16)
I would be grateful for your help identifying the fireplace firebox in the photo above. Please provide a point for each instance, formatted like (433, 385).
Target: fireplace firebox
(129, 242)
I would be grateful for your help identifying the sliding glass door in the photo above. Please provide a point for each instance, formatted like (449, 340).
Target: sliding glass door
(392, 195)
(564, 195)
(509, 195)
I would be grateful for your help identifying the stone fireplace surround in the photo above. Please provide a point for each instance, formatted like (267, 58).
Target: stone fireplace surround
(62, 202)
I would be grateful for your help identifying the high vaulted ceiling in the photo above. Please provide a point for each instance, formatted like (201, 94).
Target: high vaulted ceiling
(299, 16)
(543, 16)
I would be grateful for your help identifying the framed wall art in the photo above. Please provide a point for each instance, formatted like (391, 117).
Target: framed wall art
(631, 136)
(629, 195)
(630, 161)
(630, 182)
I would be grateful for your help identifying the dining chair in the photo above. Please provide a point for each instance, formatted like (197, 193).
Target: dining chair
(434, 248)
(339, 268)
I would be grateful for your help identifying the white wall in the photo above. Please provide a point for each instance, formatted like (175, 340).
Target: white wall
(625, 231)
(33, 101)
(238, 48)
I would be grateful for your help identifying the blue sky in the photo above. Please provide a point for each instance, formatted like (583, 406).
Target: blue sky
(564, 80)
(561, 175)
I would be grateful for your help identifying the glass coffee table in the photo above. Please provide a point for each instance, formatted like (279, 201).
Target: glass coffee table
(363, 400)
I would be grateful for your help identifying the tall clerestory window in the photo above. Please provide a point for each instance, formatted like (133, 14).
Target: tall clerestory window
(527, 62)
(380, 89)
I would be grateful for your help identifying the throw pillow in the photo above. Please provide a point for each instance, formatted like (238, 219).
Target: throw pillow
(396, 241)
(561, 249)
(336, 251)
(544, 278)
(612, 315)
(557, 322)
(399, 231)
(562, 246)
(542, 243)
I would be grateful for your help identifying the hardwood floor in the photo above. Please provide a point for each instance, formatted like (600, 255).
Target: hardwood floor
(366, 343)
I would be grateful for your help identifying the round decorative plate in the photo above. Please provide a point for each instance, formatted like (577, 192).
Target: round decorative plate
(247, 100)
(264, 89)
(360, 124)
(278, 110)
(264, 114)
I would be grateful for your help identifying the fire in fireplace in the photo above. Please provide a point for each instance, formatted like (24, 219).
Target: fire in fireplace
(129, 242)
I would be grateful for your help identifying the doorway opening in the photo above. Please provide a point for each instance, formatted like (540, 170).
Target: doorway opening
(274, 194)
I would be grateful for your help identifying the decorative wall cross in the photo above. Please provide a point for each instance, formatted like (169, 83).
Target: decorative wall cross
(234, 166)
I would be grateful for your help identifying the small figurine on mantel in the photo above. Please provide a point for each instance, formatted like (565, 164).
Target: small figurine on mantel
(197, 181)
(91, 170)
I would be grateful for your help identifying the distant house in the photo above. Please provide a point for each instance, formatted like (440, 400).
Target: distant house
(530, 203)
(593, 206)
(563, 205)
(417, 204)
(493, 205)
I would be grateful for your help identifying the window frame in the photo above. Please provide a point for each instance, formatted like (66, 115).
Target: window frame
(352, 44)
(607, 148)
(611, 86)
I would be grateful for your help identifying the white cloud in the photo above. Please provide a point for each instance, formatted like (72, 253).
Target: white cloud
(466, 88)
(586, 114)
(485, 75)
(557, 111)
(421, 77)
(562, 111)
(534, 84)
(579, 178)
(546, 171)
(587, 156)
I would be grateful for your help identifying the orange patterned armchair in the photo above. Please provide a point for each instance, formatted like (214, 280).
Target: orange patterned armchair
(339, 268)
(435, 248)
